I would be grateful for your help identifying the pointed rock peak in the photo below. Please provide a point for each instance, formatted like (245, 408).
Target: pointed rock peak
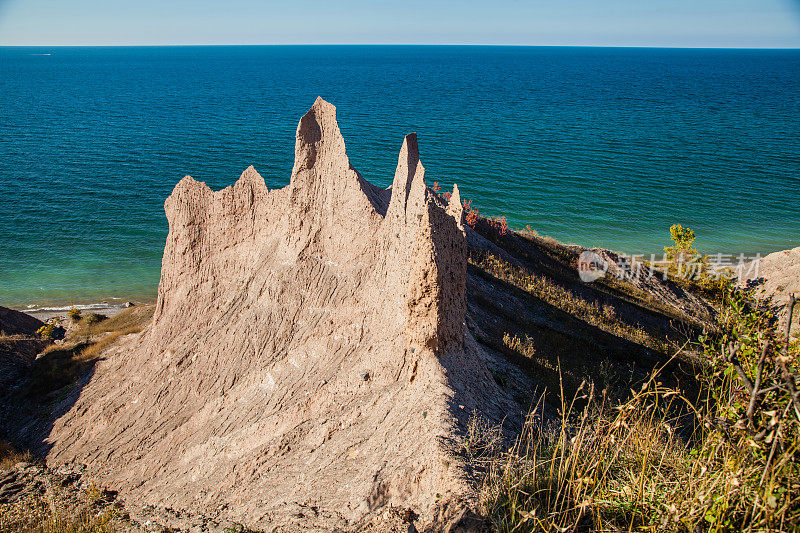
(409, 171)
(252, 177)
(186, 198)
(318, 135)
(188, 183)
(418, 194)
(321, 104)
(455, 208)
(409, 153)
(456, 196)
(408, 161)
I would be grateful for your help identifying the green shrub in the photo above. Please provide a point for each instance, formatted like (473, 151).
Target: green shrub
(683, 239)
(46, 332)
(691, 269)
(93, 318)
(74, 313)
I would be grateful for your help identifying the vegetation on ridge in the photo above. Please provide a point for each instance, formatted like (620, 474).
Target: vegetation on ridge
(602, 316)
(662, 459)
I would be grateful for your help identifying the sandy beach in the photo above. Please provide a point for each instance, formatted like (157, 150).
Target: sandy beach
(106, 309)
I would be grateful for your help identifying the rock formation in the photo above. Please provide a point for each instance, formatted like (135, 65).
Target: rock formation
(308, 363)
(775, 276)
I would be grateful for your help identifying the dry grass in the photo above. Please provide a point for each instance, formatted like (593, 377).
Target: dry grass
(57, 368)
(4, 337)
(567, 255)
(660, 462)
(524, 345)
(534, 236)
(601, 316)
(647, 300)
(53, 512)
(93, 350)
(9, 456)
(89, 328)
(627, 469)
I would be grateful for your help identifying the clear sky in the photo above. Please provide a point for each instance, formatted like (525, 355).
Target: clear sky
(696, 23)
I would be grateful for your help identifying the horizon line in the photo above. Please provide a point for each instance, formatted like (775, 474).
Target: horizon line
(177, 45)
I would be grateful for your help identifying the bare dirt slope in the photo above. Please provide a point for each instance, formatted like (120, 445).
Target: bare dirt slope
(308, 363)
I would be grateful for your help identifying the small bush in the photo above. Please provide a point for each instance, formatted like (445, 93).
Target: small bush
(683, 239)
(471, 213)
(93, 318)
(687, 267)
(74, 313)
(47, 331)
(498, 224)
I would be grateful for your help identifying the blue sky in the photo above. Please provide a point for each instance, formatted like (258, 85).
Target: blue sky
(695, 23)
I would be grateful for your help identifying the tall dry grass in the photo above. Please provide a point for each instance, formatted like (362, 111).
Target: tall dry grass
(727, 460)
(10, 455)
(52, 511)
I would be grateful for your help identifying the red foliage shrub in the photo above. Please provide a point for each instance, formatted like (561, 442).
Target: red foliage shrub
(472, 214)
(502, 225)
(498, 224)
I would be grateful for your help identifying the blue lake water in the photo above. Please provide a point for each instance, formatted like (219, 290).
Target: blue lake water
(597, 146)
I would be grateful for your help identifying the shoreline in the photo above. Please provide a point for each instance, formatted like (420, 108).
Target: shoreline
(109, 309)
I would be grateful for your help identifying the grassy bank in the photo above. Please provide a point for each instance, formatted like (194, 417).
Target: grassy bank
(726, 461)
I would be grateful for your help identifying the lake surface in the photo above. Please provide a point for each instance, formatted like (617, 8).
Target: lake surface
(596, 146)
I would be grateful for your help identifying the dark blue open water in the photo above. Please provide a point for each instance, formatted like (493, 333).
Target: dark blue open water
(597, 146)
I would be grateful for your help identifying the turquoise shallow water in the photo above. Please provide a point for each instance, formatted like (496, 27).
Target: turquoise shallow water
(597, 146)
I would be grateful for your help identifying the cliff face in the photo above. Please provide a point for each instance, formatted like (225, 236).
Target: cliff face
(309, 350)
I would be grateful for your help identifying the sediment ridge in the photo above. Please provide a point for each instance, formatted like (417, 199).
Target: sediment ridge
(309, 349)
